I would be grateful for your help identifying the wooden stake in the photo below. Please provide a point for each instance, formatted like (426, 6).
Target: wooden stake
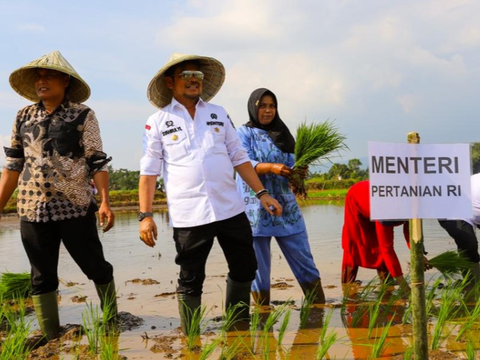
(417, 278)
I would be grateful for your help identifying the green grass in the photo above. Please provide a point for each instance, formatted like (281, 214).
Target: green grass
(327, 194)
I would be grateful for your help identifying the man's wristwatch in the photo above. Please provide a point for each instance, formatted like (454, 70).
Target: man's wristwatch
(142, 215)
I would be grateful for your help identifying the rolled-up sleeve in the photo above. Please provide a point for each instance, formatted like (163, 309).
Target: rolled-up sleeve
(238, 155)
(152, 159)
(14, 155)
(97, 160)
(246, 138)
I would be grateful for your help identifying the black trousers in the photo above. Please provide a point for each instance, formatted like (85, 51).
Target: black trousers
(193, 246)
(464, 235)
(80, 237)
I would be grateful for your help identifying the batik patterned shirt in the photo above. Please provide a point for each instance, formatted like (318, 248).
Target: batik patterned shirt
(261, 149)
(56, 154)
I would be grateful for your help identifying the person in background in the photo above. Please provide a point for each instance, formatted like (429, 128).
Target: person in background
(193, 145)
(463, 231)
(55, 150)
(270, 147)
(368, 243)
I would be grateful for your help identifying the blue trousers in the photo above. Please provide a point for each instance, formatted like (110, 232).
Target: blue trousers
(296, 250)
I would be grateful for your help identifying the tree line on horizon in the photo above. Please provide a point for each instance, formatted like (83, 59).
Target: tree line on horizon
(341, 175)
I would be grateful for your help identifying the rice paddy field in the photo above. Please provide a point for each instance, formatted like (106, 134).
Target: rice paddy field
(363, 321)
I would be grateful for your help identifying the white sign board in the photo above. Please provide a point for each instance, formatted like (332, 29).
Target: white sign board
(423, 181)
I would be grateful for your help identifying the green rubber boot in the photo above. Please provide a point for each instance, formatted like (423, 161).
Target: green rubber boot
(189, 308)
(108, 301)
(46, 309)
(238, 296)
(261, 297)
(314, 292)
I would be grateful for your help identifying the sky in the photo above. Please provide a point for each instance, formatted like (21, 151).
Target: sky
(378, 69)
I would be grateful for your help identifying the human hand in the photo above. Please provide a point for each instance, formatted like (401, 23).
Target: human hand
(426, 264)
(271, 205)
(148, 231)
(281, 170)
(105, 213)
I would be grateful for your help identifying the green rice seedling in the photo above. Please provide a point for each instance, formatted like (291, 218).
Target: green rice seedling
(368, 291)
(431, 295)
(359, 312)
(230, 317)
(326, 339)
(14, 345)
(273, 317)
(471, 319)
(447, 311)
(208, 349)
(92, 327)
(325, 345)
(307, 302)
(407, 315)
(326, 323)
(377, 308)
(450, 263)
(470, 351)
(109, 347)
(267, 331)
(254, 324)
(379, 345)
(408, 354)
(374, 312)
(15, 285)
(234, 347)
(314, 143)
(195, 327)
(283, 327)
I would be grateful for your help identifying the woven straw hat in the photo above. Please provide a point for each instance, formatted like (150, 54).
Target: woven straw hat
(160, 96)
(22, 80)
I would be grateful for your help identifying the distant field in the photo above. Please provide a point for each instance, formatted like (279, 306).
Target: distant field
(129, 198)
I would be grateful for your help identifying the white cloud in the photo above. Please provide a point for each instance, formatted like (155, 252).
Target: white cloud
(408, 102)
(30, 27)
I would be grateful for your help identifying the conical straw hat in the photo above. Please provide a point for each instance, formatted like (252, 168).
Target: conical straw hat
(22, 80)
(160, 96)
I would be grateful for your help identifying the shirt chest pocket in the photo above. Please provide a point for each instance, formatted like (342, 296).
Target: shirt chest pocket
(66, 139)
(175, 146)
(215, 139)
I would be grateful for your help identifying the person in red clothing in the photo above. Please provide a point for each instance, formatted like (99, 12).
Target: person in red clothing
(368, 243)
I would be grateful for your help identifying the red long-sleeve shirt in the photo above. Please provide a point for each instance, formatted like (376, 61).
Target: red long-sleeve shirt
(368, 243)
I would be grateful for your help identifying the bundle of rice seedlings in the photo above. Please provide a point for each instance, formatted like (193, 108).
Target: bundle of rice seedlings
(15, 285)
(450, 263)
(313, 144)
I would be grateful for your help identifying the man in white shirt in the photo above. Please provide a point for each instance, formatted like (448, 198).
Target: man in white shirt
(194, 146)
(463, 231)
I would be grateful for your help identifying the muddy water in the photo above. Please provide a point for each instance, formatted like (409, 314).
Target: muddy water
(156, 303)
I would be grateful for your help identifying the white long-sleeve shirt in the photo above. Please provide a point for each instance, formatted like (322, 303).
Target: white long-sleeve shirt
(475, 184)
(196, 158)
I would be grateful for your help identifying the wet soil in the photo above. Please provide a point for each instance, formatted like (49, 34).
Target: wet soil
(146, 282)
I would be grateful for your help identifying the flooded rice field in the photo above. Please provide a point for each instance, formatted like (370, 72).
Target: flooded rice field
(146, 280)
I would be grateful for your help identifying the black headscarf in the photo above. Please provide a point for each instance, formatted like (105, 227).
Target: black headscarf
(277, 130)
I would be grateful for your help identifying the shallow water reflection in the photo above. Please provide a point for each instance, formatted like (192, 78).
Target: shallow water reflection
(156, 303)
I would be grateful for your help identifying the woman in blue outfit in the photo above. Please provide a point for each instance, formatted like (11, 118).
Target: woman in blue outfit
(270, 147)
